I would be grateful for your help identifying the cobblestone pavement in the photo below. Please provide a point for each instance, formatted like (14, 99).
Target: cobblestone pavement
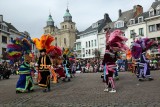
(86, 90)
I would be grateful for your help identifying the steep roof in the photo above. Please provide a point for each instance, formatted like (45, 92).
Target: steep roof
(127, 15)
(10, 26)
(155, 4)
(101, 23)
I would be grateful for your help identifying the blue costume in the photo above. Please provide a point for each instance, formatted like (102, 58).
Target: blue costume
(25, 82)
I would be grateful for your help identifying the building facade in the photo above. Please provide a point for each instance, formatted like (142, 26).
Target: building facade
(88, 42)
(8, 33)
(66, 35)
(137, 27)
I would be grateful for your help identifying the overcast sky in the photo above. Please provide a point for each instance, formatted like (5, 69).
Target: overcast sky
(31, 15)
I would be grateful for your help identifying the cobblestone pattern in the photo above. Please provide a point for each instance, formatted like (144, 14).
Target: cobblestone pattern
(86, 90)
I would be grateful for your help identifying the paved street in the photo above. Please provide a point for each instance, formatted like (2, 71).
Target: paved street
(86, 90)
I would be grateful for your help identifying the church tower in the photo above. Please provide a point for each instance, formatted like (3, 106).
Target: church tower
(49, 29)
(68, 31)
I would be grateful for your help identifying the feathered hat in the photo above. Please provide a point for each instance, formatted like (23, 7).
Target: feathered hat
(68, 53)
(44, 43)
(141, 45)
(54, 52)
(19, 49)
(116, 41)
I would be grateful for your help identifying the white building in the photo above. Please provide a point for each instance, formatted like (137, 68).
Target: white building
(7, 33)
(137, 27)
(88, 41)
(153, 23)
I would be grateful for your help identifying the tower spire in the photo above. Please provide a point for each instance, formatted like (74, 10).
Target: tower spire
(67, 4)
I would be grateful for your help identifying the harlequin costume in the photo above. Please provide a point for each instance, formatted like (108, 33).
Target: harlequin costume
(139, 49)
(114, 43)
(20, 49)
(44, 63)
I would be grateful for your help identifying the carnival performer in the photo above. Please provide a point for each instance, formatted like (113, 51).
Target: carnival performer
(44, 62)
(25, 82)
(59, 69)
(21, 48)
(55, 54)
(139, 49)
(114, 43)
(66, 65)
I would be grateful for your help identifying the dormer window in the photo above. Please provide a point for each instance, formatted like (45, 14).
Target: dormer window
(119, 24)
(151, 12)
(140, 19)
(158, 10)
(132, 21)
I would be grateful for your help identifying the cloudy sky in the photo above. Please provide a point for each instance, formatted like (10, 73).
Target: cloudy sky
(31, 15)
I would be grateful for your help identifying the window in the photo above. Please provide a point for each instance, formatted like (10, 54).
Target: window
(132, 21)
(56, 44)
(92, 43)
(71, 27)
(92, 52)
(65, 26)
(4, 39)
(11, 39)
(132, 33)
(158, 26)
(83, 50)
(95, 44)
(140, 19)
(119, 24)
(65, 41)
(3, 50)
(86, 52)
(151, 13)
(151, 28)
(89, 43)
(158, 12)
(89, 51)
(141, 32)
(86, 44)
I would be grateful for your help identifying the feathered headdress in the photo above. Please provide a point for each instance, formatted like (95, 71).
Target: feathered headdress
(18, 48)
(44, 42)
(54, 51)
(141, 45)
(116, 41)
(69, 54)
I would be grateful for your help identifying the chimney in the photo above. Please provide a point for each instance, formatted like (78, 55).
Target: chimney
(138, 9)
(1, 18)
(106, 16)
(120, 12)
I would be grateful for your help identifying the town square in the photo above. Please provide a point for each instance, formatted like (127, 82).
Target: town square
(68, 53)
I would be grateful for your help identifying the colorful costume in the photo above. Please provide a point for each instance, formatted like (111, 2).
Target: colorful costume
(138, 49)
(25, 82)
(20, 50)
(44, 63)
(114, 43)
